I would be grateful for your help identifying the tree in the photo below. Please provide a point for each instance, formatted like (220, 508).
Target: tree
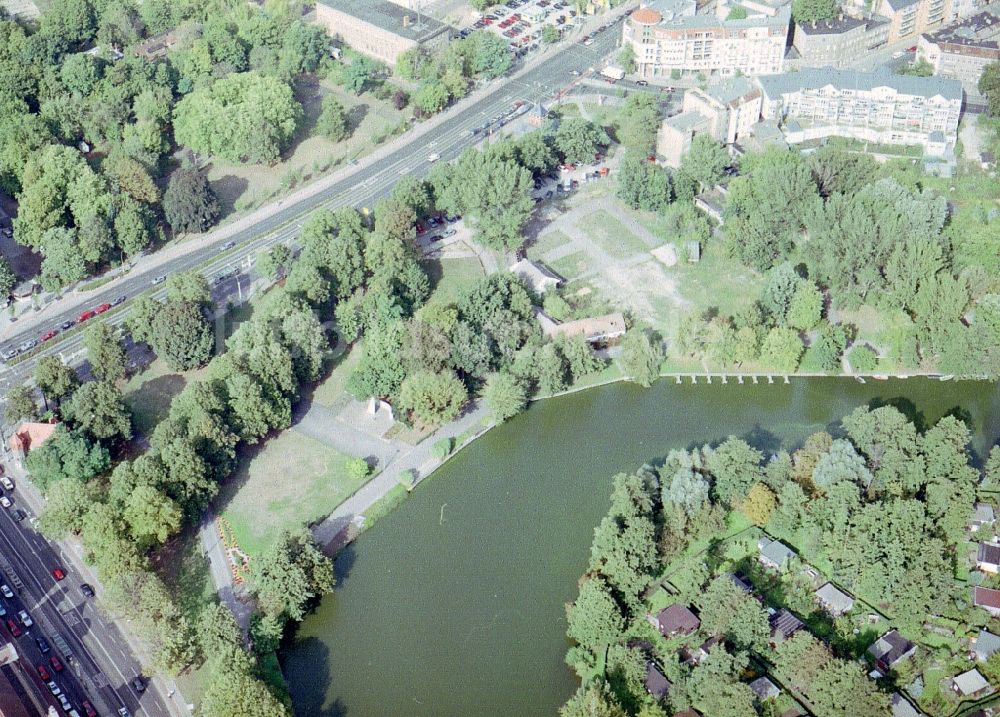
(626, 58)
(505, 396)
(431, 97)
(8, 279)
(490, 57)
(63, 264)
(806, 307)
(989, 86)
(863, 359)
(640, 121)
(181, 335)
(706, 161)
(189, 203)
(595, 620)
(55, 379)
(98, 407)
(20, 404)
(640, 359)
(534, 151)
(270, 264)
(735, 464)
(289, 574)
(591, 701)
(814, 10)
(66, 502)
(727, 610)
(643, 185)
(152, 517)
(189, 286)
(781, 350)
(358, 74)
(432, 398)
(237, 693)
(105, 352)
(260, 114)
(67, 455)
(578, 140)
(759, 504)
(550, 34)
(332, 121)
(495, 192)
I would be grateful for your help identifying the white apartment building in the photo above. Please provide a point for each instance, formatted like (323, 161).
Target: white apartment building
(961, 51)
(732, 107)
(707, 44)
(879, 107)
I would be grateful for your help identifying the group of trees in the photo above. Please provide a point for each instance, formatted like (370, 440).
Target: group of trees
(886, 507)
(179, 331)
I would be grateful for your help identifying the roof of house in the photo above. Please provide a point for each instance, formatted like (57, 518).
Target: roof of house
(30, 436)
(740, 582)
(677, 618)
(814, 78)
(646, 16)
(775, 551)
(986, 644)
(834, 26)
(986, 597)
(988, 553)
(656, 682)
(979, 30)
(784, 624)
(687, 121)
(890, 648)
(594, 328)
(901, 707)
(730, 90)
(764, 688)
(836, 599)
(971, 682)
(694, 22)
(983, 513)
(390, 17)
(898, 5)
(536, 275)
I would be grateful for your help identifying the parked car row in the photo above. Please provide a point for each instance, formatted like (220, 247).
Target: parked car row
(29, 344)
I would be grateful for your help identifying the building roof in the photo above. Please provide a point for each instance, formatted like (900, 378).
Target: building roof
(890, 648)
(901, 707)
(538, 277)
(30, 436)
(983, 513)
(390, 17)
(656, 682)
(780, 19)
(814, 78)
(775, 551)
(740, 583)
(897, 5)
(980, 30)
(836, 599)
(971, 682)
(988, 553)
(986, 597)
(784, 624)
(677, 618)
(687, 121)
(729, 91)
(764, 688)
(596, 328)
(985, 645)
(836, 26)
(646, 16)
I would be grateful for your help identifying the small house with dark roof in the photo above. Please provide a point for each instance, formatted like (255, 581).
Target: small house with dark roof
(984, 646)
(988, 558)
(677, 620)
(764, 689)
(969, 683)
(783, 625)
(657, 683)
(988, 599)
(740, 583)
(773, 553)
(539, 278)
(890, 650)
(833, 600)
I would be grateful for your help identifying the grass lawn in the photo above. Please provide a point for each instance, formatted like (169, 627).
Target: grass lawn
(451, 277)
(284, 484)
(611, 235)
(549, 241)
(331, 389)
(148, 394)
(716, 281)
(573, 265)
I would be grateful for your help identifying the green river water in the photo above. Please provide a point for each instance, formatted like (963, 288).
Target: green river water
(452, 606)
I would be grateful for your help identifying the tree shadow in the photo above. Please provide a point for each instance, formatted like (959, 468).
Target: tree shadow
(228, 190)
(150, 403)
(310, 696)
(355, 116)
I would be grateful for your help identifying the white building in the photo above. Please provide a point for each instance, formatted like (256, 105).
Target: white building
(707, 44)
(879, 107)
(961, 51)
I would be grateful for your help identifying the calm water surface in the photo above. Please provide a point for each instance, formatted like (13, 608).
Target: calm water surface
(452, 606)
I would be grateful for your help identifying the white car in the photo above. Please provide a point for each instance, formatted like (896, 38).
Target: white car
(7, 592)
(25, 618)
(65, 703)
(433, 157)
(6, 482)
(5, 501)
(53, 688)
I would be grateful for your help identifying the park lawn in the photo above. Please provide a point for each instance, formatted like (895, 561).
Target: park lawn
(573, 265)
(545, 243)
(717, 281)
(451, 277)
(148, 394)
(331, 389)
(607, 232)
(284, 484)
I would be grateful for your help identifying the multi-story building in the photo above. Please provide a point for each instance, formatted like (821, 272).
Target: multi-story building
(732, 107)
(707, 44)
(962, 50)
(378, 28)
(909, 18)
(879, 107)
(840, 41)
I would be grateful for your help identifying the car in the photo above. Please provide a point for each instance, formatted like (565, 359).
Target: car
(123, 712)
(43, 672)
(227, 246)
(50, 334)
(642, 83)
(88, 709)
(64, 701)
(88, 314)
(588, 41)
(433, 221)
(419, 227)
(29, 344)
(6, 482)
(66, 325)
(87, 590)
(9, 354)
(19, 515)
(25, 618)
(119, 300)
(548, 194)
(575, 73)
(139, 683)
(436, 237)
(5, 501)
(7, 592)
(3, 611)
(12, 626)
(450, 233)
(56, 663)
(58, 574)
(43, 644)
(53, 688)
(158, 280)
(102, 308)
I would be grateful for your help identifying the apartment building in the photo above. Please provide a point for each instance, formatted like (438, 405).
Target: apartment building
(961, 51)
(378, 28)
(879, 107)
(909, 18)
(732, 107)
(707, 44)
(839, 41)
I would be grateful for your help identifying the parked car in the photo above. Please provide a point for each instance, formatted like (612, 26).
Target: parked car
(25, 618)
(87, 590)
(88, 709)
(43, 672)
(450, 233)
(66, 325)
(12, 626)
(43, 644)
(119, 300)
(50, 334)
(158, 280)
(56, 663)
(58, 574)
(88, 314)
(7, 592)
(139, 683)
(102, 308)
(123, 712)
(227, 246)
(19, 515)
(5, 501)
(53, 688)
(64, 701)
(6, 482)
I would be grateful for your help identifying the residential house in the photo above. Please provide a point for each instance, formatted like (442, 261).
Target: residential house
(909, 18)
(839, 41)
(988, 558)
(982, 517)
(29, 436)
(969, 683)
(764, 689)
(537, 277)
(988, 599)
(713, 203)
(962, 50)
(901, 707)
(984, 645)
(694, 655)
(739, 582)
(674, 138)
(784, 624)
(890, 650)
(595, 330)
(773, 553)
(677, 620)
(732, 107)
(833, 600)
(657, 684)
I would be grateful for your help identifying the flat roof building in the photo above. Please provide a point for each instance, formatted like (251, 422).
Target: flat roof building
(909, 18)
(378, 28)
(961, 51)
(839, 41)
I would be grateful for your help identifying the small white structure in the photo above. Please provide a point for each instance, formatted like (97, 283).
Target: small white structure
(833, 600)
(538, 278)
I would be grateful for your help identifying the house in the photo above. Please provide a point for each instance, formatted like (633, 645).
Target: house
(731, 107)
(537, 277)
(891, 649)
(901, 707)
(676, 620)
(764, 689)
(713, 203)
(694, 655)
(595, 330)
(834, 601)
(773, 553)
(988, 558)
(30, 436)
(783, 625)
(840, 40)
(969, 683)
(982, 517)
(657, 684)
(988, 599)
(984, 645)
(676, 135)
(156, 46)
(739, 582)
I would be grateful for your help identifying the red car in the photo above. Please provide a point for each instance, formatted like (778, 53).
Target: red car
(56, 663)
(84, 316)
(48, 335)
(58, 574)
(43, 673)
(12, 626)
(102, 308)
(88, 709)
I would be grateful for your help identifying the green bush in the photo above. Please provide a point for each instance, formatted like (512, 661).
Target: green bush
(863, 359)
(358, 468)
(442, 448)
(408, 478)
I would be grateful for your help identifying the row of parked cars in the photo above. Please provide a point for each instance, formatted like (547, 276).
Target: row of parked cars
(29, 344)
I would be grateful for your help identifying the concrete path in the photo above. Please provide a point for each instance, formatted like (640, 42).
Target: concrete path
(326, 425)
(222, 575)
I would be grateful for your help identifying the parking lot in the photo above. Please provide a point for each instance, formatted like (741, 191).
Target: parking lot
(522, 22)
